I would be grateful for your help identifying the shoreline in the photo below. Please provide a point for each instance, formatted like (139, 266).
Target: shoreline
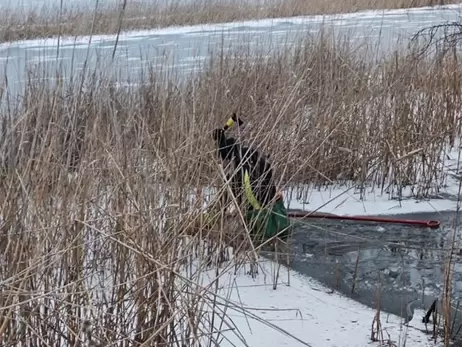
(13, 30)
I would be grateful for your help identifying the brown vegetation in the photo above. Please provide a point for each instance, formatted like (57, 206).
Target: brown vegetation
(107, 253)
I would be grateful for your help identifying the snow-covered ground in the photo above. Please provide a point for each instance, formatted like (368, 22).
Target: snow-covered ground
(308, 314)
(348, 201)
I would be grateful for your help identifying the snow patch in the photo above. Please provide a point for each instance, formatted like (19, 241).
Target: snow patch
(352, 200)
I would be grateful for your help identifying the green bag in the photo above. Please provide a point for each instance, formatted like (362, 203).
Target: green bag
(268, 222)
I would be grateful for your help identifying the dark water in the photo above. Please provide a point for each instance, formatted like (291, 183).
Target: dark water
(404, 263)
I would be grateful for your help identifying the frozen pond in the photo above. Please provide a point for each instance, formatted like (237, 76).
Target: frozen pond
(184, 50)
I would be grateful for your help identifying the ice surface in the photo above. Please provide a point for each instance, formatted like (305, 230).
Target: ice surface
(206, 29)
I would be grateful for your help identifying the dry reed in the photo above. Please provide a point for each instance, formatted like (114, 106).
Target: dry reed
(113, 253)
(71, 21)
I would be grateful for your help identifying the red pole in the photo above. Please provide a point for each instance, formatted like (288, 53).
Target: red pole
(433, 224)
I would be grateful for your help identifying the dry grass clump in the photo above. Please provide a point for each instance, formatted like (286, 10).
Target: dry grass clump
(101, 242)
(71, 21)
(112, 253)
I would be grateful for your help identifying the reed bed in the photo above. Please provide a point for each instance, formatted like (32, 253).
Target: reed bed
(100, 237)
(50, 21)
(326, 115)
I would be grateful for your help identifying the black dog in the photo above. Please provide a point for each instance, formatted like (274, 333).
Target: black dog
(244, 159)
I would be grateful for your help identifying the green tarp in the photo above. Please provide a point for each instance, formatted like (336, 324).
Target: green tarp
(268, 222)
